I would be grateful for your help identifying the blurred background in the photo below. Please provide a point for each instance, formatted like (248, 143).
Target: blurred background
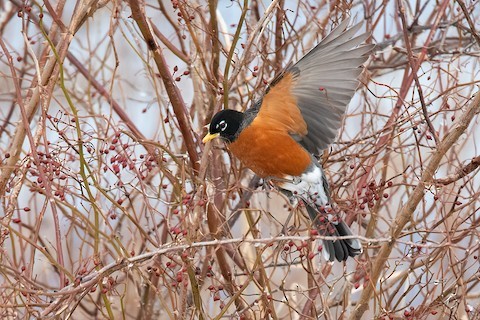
(111, 207)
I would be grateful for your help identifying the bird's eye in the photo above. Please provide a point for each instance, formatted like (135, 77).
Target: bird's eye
(222, 125)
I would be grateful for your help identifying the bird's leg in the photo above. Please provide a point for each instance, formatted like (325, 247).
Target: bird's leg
(267, 184)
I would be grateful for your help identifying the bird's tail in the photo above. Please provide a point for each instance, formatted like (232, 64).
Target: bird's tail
(329, 224)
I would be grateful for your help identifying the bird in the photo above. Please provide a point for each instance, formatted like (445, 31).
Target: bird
(283, 134)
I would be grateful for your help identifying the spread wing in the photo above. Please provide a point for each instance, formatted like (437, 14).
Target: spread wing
(310, 97)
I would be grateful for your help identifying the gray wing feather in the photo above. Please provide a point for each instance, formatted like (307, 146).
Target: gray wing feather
(326, 80)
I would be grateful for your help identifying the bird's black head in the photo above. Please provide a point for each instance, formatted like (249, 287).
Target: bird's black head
(225, 124)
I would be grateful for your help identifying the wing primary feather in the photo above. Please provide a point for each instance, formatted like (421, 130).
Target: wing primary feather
(325, 81)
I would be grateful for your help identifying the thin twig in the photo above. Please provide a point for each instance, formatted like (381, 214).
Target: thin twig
(414, 69)
(460, 173)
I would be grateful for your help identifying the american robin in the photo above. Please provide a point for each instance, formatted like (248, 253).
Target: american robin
(283, 134)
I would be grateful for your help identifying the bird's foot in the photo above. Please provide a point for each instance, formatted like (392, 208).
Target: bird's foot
(266, 185)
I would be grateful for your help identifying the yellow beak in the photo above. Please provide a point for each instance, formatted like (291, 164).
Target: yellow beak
(209, 137)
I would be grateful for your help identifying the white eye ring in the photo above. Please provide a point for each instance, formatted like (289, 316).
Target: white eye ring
(222, 125)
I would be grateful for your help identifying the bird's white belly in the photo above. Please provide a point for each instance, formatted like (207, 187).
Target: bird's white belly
(309, 186)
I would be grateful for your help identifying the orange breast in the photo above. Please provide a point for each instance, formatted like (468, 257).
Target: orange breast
(270, 152)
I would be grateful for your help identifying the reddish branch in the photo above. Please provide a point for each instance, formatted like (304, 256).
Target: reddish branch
(178, 105)
(119, 110)
(469, 20)
(406, 212)
(41, 93)
(408, 78)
